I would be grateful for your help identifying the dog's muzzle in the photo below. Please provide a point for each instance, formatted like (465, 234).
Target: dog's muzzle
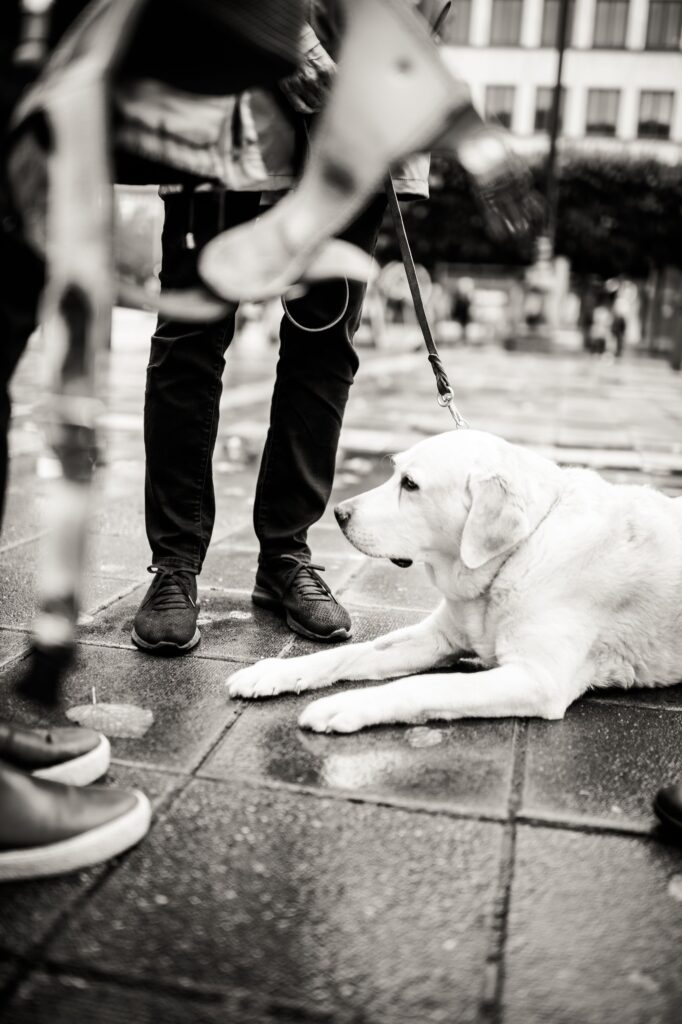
(342, 516)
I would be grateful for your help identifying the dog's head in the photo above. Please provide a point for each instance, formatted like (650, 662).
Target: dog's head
(464, 494)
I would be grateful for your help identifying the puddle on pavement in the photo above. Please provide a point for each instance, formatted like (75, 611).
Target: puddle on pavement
(675, 887)
(240, 616)
(422, 736)
(126, 721)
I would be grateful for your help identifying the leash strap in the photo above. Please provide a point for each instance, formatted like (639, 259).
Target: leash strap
(446, 397)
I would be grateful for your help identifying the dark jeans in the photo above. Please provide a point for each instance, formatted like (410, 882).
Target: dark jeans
(184, 385)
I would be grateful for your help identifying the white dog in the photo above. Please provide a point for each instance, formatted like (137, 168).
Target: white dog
(556, 579)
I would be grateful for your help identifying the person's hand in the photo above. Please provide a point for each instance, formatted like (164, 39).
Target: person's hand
(306, 90)
(503, 187)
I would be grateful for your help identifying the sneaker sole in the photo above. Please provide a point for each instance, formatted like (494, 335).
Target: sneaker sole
(264, 600)
(82, 851)
(79, 771)
(165, 646)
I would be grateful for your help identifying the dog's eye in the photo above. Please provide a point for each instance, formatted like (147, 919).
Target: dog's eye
(408, 484)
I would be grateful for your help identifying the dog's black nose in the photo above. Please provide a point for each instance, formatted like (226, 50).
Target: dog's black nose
(342, 515)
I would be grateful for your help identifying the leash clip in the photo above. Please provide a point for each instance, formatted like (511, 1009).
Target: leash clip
(447, 401)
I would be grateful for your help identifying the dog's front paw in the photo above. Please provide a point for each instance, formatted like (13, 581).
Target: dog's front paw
(266, 678)
(269, 677)
(342, 712)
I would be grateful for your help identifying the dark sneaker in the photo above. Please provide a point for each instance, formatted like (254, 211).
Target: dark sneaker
(166, 621)
(292, 588)
(66, 754)
(51, 829)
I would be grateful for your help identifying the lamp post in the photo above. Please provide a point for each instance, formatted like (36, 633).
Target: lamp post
(551, 189)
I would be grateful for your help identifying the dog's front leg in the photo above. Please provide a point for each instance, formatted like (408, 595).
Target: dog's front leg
(412, 649)
(511, 690)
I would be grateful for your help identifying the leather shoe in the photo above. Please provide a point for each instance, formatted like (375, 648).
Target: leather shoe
(71, 755)
(47, 828)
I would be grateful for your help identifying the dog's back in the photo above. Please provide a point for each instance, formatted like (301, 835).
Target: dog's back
(614, 553)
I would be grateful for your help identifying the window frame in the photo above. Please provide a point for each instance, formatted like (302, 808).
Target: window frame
(600, 5)
(662, 47)
(500, 5)
(548, 110)
(544, 44)
(658, 94)
(602, 134)
(452, 20)
(511, 89)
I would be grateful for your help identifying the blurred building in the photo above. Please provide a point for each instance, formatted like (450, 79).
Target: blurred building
(622, 69)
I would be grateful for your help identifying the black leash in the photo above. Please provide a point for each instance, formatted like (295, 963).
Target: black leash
(446, 396)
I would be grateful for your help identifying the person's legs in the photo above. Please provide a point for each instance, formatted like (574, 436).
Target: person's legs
(182, 399)
(314, 375)
(184, 385)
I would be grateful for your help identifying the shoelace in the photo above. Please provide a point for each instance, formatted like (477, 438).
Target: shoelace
(303, 576)
(172, 590)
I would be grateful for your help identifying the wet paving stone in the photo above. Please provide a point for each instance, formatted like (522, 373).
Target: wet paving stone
(294, 897)
(602, 764)
(466, 765)
(660, 696)
(47, 998)
(186, 698)
(232, 628)
(31, 909)
(24, 516)
(11, 644)
(17, 578)
(122, 556)
(381, 583)
(594, 930)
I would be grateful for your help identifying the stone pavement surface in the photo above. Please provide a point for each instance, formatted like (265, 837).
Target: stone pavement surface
(478, 871)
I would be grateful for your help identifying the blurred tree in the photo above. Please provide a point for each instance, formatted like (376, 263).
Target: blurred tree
(617, 215)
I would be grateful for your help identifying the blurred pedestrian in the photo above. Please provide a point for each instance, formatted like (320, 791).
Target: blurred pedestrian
(619, 325)
(601, 336)
(461, 307)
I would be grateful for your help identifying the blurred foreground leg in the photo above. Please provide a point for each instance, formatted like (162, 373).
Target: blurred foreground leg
(76, 317)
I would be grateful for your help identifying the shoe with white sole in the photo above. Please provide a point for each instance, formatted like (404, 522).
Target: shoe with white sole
(70, 755)
(47, 828)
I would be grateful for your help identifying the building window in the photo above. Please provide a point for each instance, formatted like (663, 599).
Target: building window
(610, 23)
(550, 23)
(499, 103)
(655, 115)
(665, 25)
(543, 108)
(455, 31)
(505, 26)
(602, 111)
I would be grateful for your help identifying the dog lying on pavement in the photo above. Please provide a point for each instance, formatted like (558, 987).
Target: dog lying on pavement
(556, 579)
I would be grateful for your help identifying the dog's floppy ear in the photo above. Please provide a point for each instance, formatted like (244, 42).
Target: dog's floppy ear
(497, 520)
